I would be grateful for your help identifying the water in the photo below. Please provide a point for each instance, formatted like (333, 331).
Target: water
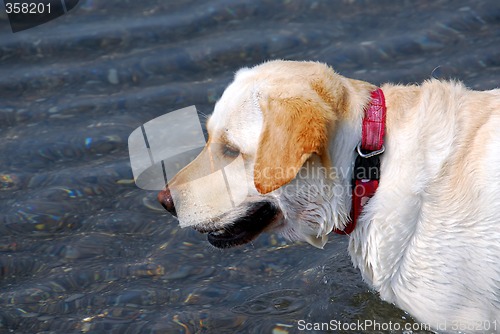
(83, 250)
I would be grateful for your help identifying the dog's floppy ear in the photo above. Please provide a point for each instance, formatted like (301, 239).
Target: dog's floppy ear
(293, 129)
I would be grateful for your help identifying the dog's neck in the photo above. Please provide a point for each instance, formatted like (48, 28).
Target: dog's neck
(346, 136)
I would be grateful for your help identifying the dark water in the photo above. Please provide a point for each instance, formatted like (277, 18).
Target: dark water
(83, 250)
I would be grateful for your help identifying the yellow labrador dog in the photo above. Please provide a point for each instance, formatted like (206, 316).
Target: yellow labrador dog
(428, 240)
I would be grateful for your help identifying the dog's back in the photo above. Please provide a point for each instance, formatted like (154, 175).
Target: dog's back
(433, 227)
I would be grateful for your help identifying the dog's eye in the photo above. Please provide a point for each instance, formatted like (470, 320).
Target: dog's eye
(230, 152)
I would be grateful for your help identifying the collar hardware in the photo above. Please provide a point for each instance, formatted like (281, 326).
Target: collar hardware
(369, 154)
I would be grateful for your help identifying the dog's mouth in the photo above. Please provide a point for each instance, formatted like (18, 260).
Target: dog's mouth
(244, 229)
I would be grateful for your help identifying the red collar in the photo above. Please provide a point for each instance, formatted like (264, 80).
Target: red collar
(367, 165)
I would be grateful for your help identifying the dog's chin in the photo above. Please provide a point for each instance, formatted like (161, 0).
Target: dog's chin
(257, 218)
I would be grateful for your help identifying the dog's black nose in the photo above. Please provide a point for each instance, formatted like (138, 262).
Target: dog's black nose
(165, 199)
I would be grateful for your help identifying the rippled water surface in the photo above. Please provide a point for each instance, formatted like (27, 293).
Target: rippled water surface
(83, 250)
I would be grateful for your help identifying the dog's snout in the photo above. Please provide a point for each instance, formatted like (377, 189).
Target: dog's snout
(165, 199)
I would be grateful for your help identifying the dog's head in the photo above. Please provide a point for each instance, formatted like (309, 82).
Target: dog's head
(266, 164)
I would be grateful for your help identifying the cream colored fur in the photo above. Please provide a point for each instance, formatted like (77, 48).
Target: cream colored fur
(429, 240)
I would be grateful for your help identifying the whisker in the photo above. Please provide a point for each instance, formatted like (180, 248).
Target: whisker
(205, 116)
